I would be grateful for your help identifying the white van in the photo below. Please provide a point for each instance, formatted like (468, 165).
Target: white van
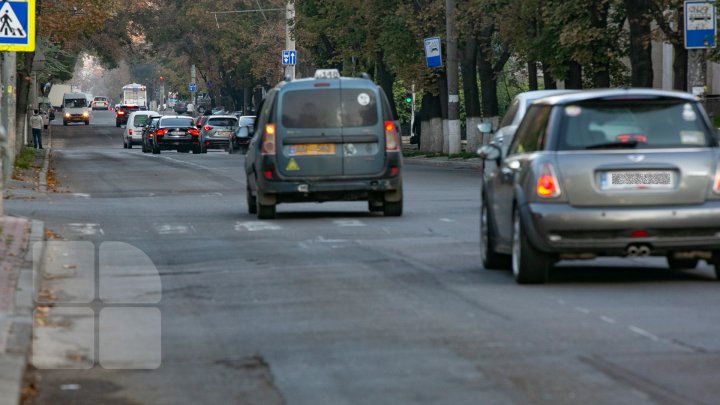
(76, 108)
(133, 130)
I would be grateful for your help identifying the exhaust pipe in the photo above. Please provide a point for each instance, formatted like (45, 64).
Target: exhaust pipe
(632, 250)
(643, 251)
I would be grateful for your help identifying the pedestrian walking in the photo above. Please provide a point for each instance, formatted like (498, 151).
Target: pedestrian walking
(36, 123)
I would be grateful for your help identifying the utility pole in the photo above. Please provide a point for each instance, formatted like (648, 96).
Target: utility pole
(452, 79)
(697, 71)
(9, 73)
(289, 39)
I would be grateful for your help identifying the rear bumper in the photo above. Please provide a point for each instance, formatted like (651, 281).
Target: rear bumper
(561, 228)
(217, 143)
(174, 143)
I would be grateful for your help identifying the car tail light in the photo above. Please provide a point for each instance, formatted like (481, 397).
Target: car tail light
(268, 174)
(548, 185)
(161, 132)
(130, 131)
(268, 141)
(716, 182)
(207, 127)
(391, 142)
(121, 112)
(193, 132)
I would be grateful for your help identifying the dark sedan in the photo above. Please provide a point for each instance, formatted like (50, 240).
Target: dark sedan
(176, 133)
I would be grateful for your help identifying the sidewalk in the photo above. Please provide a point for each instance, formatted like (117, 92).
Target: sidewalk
(441, 161)
(17, 236)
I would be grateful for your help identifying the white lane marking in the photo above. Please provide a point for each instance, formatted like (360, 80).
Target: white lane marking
(643, 332)
(256, 226)
(582, 310)
(607, 319)
(81, 195)
(348, 222)
(86, 229)
(212, 195)
(446, 220)
(322, 239)
(170, 229)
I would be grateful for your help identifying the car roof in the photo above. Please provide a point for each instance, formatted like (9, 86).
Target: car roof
(581, 96)
(309, 83)
(222, 116)
(538, 94)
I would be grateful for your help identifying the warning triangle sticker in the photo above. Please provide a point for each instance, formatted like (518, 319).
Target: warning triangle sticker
(292, 166)
(10, 26)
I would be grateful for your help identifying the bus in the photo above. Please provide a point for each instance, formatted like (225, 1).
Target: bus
(135, 94)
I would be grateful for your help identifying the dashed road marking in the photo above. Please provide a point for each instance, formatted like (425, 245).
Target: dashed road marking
(348, 223)
(81, 195)
(447, 220)
(86, 229)
(607, 319)
(643, 332)
(256, 226)
(173, 229)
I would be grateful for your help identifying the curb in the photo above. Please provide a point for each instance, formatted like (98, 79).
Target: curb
(14, 362)
(444, 162)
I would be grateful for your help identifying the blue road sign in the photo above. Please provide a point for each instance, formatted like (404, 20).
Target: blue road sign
(289, 57)
(700, 25)
(192, 87)
(17, 26)
(433, 52)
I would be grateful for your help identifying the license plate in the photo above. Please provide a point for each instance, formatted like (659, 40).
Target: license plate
(312, 149)
(637, 180)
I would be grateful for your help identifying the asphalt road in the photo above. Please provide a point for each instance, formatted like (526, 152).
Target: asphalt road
(330, 304)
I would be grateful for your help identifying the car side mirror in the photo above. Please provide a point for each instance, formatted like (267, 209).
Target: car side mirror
(490, 152)
(485, 127)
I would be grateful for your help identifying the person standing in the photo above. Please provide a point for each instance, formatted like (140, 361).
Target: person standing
(36, 123)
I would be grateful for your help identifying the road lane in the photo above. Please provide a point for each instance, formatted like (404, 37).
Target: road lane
(332, 304)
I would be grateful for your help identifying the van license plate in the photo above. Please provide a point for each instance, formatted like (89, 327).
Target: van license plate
(312, 149)
(637, 180)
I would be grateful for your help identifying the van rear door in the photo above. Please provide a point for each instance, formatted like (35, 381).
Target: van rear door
(309, 131)
(362, 132)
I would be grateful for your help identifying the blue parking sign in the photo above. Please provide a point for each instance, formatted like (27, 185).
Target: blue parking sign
(17, 26)
(700, 25)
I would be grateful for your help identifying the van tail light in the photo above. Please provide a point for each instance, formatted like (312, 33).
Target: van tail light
(716, 181)
(207, 127)
(391, 141)
(193, 131)
(268, 141)
(161, 132)
(548, 185)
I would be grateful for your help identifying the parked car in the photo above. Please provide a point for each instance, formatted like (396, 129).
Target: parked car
(122, 112)
(147, 133)
(325, 138)
(180, 107)
(133, 130)
(240, 138)
(49, 109)
(176, 133)
(632, 172)
(216, 130)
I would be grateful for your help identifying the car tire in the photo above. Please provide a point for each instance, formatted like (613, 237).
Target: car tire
(251, 201)
(243, 150)
(155, 150)
(491, 260)
(117, 125)
(715, 262)
(680, 264)
(125, 145)
(231, 149)
(129, 144)
(65, 123)
(393, 208)
(87, 122)
(265, 211)
(196, 150)
(529, 265)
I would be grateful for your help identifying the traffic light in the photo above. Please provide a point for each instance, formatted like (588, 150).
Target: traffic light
(408, 98)
(162, 78)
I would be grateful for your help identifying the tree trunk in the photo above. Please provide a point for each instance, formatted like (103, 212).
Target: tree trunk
(430, 123)
(532, 75)
(681, 56)
(473, 113)
(488, 79)
(548, 79)
(23, 84)
(574, 79)
(386, 79)
(640, 49)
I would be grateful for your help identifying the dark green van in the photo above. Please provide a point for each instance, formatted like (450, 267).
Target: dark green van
(327, 138)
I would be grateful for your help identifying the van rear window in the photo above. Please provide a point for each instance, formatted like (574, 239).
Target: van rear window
(140, 120)
(329, 108)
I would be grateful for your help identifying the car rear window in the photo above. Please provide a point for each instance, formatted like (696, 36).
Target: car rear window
(655, 123)
(177, 122)
(140, 120)
(329, 108)
(246, 121)
(222, 122)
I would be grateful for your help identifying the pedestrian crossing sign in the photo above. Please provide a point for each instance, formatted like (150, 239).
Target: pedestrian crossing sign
(17, 26)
